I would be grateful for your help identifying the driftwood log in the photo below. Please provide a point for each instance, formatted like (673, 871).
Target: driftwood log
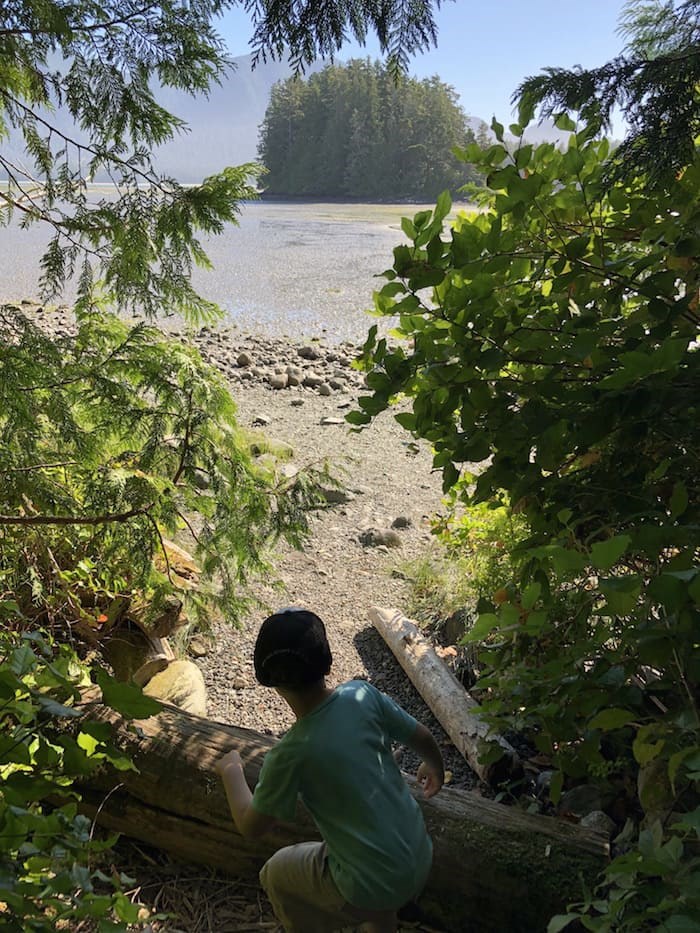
(488, 754)
(495, 868)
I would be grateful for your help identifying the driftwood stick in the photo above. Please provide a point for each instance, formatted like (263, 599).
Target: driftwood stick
(455, 710)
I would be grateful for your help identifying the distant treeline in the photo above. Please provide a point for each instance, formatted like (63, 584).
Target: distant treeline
(354, 130)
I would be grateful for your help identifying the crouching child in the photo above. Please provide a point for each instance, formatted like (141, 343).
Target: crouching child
(376, 853)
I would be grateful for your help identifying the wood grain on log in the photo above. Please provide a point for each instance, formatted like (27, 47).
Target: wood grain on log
(455, 710)
(495, 868)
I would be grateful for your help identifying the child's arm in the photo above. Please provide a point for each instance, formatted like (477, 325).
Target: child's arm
(249, 822)
(431, 773)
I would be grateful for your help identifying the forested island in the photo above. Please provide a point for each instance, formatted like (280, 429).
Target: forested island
(356, 130)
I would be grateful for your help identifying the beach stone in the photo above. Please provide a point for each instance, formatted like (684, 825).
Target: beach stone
(402, 521)
(278, 380)
(297, 402)
(312, 380)
(324, 389)
(581, 800)
(181, 684)
(309, 353)
(198, 647)
(262, 420)
(328, 420)
(336, 383)
(378, 537)
(336, 496)
(599, 822)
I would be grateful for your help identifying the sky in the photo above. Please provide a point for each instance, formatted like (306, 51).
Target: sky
(485, 49)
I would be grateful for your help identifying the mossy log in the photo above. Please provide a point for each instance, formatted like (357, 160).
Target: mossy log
(495, 868)
(487, 753)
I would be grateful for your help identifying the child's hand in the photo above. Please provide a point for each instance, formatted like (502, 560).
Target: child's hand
(230, 758)
(431, 779)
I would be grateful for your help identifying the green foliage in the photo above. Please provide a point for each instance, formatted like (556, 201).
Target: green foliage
(109, 440)
(355, 130)
(552, 342)
(655, 83)
(49, 856)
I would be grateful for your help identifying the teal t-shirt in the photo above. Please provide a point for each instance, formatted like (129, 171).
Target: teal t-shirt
(338, 759)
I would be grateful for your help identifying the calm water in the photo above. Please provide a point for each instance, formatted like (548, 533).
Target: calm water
(297, 269)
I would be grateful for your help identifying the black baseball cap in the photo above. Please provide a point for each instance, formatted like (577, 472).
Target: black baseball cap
(291, 649)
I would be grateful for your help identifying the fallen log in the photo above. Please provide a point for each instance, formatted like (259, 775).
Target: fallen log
(487, 753)
(495, 868)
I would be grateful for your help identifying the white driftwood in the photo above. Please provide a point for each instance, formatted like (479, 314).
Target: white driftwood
(452, 706)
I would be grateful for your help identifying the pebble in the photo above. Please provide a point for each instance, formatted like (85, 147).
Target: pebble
(328, 420)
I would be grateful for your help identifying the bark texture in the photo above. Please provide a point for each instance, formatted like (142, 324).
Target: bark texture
(495, 868)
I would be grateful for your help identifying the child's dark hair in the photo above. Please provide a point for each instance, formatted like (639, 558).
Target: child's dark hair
(292, 650)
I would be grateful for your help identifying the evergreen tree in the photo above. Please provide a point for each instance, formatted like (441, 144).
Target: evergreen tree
(360, 132)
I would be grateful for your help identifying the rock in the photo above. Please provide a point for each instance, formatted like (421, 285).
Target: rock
(543, 782)
(278, 380)
(309, 353)
(296, 402)
(328, 420)
(336, 496)
(336, 383)
(402, 521)
(599, 822)
(377, 537)
(312, 380)
(294, 376)
(198, 647)
(181, 684)
(324, 389)
(581, 800)
(262, 420)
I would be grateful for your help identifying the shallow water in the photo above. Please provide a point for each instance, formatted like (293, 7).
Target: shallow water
(289, 268)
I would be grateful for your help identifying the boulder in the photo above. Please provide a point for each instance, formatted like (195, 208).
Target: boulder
(182, 684)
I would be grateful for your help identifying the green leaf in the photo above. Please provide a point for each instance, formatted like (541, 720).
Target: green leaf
(22, 660)
(606, 553)
(560, 922)
(443, 205)
(531, 594)
(679, 500)
(483, 626)
(127, 699)
(556, 786)
(621, 593)
(609, 719)
(53, 708)
(564, 122)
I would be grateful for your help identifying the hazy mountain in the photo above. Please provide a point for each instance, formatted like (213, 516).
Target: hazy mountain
(223, 128)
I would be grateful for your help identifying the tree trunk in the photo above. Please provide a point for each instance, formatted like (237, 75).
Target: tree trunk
(488, 754)
(495, 868)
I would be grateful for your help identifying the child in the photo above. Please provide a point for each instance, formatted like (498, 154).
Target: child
(376, 853)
